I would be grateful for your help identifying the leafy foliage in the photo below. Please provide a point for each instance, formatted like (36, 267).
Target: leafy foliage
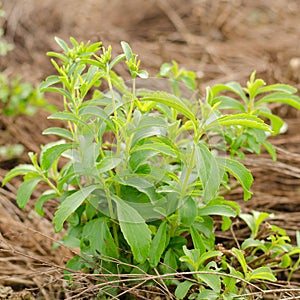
(16, 97)
(5, 47)
(143, 180)
(19, 97)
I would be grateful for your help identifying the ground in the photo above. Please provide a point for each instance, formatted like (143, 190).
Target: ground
(221, 40)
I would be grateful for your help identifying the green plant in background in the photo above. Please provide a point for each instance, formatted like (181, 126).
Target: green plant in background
(19, 97)
(144, 179)
(267, 245)
(11, 151)
(4, 46)
(253, 100)
(178, 75)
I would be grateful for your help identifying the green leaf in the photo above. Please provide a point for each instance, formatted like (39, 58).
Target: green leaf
(118, 84)
(76, 263)
(187, 212)
(92, 76)
(108, 163)
(127, 50)
(207, 256)
(208, 172)
(148, 126)
(262, 273)
(286, 261)
(61, 132)
(51, 152)
(160, 148)
(171, 101)
(146, 132)
(245, 120)
(205, 225)
(142, 74)
(60, 56)
(98, 112)
(25, 190)
(62, 44)
(197, 240)
(135, 230)
(140, 183)
(189, 80)
(165, 69)
(254, 85)
(228, 103)
(250, 221)
(271, 150)
(276, 122)
(70, 176)
(116, 60)
(141, 269)
(48, 82)
(241, 259)
(22, 169)
(240, 172)
(138, 158)
(217, 210)
(278, 87)
(213, 281)
(158, 245)
(47, 195)
(210, 295)
(170, 261)
(255, 220)
(182, 289)
(231, 283)
(64, 116)
(298, 238)
(70, 204)
(251, 243)
(100, 238)
(59, 91)
(226, 223)
(231, 86)
(191, 257)
(291, 100)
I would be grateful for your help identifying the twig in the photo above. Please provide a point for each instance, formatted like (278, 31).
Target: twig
(281, 290)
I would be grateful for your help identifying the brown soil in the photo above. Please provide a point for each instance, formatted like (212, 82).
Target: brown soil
(220, 40)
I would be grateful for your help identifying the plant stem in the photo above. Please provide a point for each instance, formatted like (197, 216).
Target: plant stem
(51, 185)
(251, 104)
(111, 215)
(130, 112)
(128, 139)
(188, 173)
(117, 131)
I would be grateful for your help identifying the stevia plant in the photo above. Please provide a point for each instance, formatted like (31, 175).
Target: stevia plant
(139, 179)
